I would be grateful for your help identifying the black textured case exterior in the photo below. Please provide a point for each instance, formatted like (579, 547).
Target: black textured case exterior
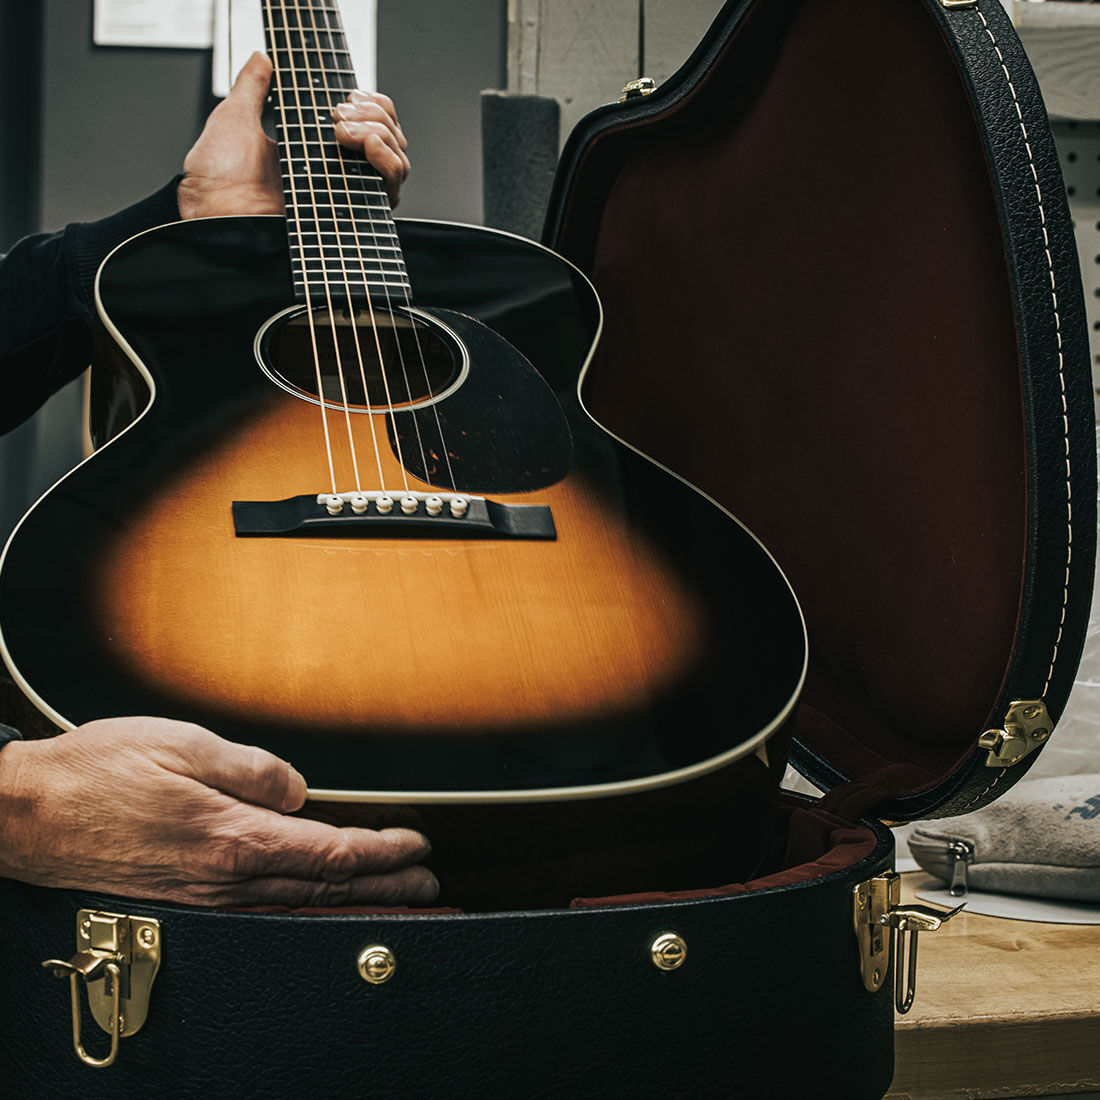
(768, 1003)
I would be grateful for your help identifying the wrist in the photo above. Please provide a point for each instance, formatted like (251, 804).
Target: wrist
(17, 807)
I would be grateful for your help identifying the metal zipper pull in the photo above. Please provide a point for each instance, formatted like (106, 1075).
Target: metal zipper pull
(960, 853)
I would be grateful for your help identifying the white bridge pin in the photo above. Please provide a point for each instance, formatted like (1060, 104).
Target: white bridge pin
(334, 505)
(433, 505)
(384, 504)
(409, 505)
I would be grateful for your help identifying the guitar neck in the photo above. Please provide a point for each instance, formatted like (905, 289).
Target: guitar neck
(342, 237)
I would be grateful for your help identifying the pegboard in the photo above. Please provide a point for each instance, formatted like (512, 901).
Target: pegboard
(1079, 152)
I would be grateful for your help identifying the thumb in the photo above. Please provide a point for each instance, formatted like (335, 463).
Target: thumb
(250, 88)
(243, 771)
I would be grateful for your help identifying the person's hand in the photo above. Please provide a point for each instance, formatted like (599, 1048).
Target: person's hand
(367, 123)
(154, 808)
(233, 168)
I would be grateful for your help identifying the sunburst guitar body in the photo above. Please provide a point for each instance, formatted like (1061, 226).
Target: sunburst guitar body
(629, 633)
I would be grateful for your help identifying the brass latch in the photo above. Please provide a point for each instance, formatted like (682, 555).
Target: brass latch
(878, 917)
(1027, 726)
(117, 957)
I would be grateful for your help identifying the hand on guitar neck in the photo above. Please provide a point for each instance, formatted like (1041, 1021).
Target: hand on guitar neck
(153, 808)
(234, 167)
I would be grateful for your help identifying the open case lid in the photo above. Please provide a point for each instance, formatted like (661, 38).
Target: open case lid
(842, 297)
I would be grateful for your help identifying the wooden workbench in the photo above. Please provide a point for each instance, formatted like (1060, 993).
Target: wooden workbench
(1004, 1008)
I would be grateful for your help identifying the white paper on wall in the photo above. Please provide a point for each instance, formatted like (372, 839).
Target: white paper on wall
(238, 31)
(186, 24)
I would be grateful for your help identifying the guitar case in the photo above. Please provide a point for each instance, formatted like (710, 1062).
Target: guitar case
(841, 296)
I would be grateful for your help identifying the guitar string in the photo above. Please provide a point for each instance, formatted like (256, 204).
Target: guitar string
(384, 227)
(384, 282)
(444, 449)
(316, 209)
(360, 249)
(338, 234)
(295, 216)
(376, 231)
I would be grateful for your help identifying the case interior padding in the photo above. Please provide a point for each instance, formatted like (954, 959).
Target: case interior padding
(726, 832)
(810, 239)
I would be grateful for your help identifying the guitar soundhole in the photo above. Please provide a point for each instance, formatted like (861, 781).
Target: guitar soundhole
(370, 360)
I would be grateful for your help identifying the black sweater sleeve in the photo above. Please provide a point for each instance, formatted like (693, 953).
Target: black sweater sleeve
(47, 302)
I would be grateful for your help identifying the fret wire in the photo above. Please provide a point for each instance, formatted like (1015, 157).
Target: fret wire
(312, 250)
(327, 70)
(326, 227)
(334, 214)
(314, 46)
(321, 269)
(371, 249)
(335, 163)
(327, 242)
(329, 265)
(381, 278)
(388, 284)
(350, 234)
(335, 205)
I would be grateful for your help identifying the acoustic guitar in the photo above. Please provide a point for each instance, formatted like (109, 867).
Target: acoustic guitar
(347, 504)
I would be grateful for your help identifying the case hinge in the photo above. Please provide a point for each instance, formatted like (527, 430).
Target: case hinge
(117, 957)
(885, 927)
(1027, 726)
(634, 89)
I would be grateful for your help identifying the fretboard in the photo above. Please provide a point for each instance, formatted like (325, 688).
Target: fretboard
(339, 225)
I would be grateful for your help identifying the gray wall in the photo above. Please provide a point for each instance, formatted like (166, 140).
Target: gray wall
(117, 121)
(115, 124)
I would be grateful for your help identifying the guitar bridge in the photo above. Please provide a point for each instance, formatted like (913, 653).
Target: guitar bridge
(385, 515)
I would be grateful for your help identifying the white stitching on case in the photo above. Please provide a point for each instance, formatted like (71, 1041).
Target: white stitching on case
(1001, 772)
(1061, 361)
(978, 797)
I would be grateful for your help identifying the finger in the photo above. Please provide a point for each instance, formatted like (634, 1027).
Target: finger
(371, 112)
(377, 145)
(242, 771)
(371, 138)
(249, 90)
(379, 99)
(294, 847)
(409, 887)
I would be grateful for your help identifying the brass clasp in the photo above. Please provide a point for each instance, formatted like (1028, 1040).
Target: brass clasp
(905, 923)
(117, 958)
(878, 918)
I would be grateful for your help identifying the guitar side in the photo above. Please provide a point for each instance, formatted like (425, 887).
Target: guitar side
(616, 657)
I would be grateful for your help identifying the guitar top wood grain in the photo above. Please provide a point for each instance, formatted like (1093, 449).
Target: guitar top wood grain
(417, 634)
